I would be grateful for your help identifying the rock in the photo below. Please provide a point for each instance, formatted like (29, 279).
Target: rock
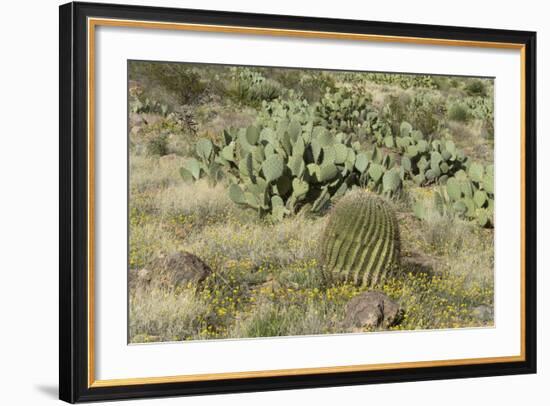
(134, 132)
(183, 268)
(167, 159)
(135, 120)
(270, 285)
(139, 278)
(484, 313)
(371, 310)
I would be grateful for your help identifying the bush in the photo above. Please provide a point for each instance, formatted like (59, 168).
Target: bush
(403, 81)
(395, 109)
(158, 145)
(315, 84)
(310, 85)
(458, 112)
(179, 79)
(425, 111)
(476, 87)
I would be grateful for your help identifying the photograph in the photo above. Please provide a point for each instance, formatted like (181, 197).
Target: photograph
(268, 201)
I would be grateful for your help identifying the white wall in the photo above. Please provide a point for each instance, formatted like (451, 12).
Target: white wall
(28, 200)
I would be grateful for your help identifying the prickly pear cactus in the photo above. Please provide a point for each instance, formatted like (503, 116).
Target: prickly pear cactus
(361, 241)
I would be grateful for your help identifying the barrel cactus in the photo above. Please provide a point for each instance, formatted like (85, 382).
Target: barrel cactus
(360, 244)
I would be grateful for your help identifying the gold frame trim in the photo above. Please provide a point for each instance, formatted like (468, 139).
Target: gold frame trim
(94, 22)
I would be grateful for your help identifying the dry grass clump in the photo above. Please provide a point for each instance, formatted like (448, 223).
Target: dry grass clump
(294, 239)
(442, 301)
(461, 247)
(199, 200)
(162, 218)
(270, 320)
(214, 118)
(164, 315)
(153, 173)
(470, 137)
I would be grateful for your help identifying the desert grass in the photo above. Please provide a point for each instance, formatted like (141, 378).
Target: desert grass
(164, 315)
(268, 280)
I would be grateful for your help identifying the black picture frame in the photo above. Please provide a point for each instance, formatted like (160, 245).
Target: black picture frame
(73, 284)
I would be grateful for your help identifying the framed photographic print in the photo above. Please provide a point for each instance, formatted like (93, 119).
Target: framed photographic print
(258, 202)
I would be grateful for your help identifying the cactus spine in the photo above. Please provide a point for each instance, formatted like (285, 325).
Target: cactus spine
(361, 241)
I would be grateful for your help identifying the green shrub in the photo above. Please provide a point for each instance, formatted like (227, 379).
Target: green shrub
(476, 87)
(458, 112)
(403, 81)
(482, 108)
(314, 85)
(426, 111)
(395, 110)
(181, 80)
(158, 145)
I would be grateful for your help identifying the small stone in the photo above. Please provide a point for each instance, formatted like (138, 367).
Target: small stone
(144, 275)
(167, 159)
(371, 310)
(139, 278)
(484, 313)
(135, 120)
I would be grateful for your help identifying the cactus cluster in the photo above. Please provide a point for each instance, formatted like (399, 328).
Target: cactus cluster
(482, 108)
(426, 161)
(344, 111)
(278, 170)
(300, 155)
(360, 244)
(468, 194)
(141, 105)
(251, 87)
(379, 172)
(350, 113)
(292, 108)
(206, 164)
(403, 81)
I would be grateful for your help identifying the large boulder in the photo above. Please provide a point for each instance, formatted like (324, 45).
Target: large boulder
(371, 310)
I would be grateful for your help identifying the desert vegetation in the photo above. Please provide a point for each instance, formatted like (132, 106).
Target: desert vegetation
(274, 202)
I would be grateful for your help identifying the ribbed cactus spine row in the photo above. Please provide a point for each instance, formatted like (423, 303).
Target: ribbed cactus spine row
(361, 241)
